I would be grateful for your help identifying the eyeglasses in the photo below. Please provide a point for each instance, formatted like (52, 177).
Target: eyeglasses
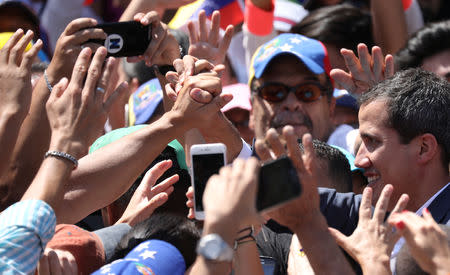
(277, 92)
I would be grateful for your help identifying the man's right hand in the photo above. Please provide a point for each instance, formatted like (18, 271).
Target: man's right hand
(70, 44)
(305, 163)
(364, 71)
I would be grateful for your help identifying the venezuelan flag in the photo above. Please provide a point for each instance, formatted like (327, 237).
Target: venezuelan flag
(231, 12)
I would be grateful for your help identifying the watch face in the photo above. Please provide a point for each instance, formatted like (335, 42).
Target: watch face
(213, 247)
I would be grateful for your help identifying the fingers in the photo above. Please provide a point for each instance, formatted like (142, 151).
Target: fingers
(353, 65)
(274, 141)
(16, 53)
(159, 31)
(309, 156)
(54, 264)
(155, 173)
(293, 148)
(382, 204)
(262, 150)
(201, 96)
(80, 68)
(203, 32)
(365, 209)
(193, 38)
(401, 204)
(83, 36)
(59, 88)
(78, 24)
(29, 56)
(12, 41)
(122, 89)
(340, 238)
(389, 67)
(378, 64)
(365, 59)
(201, 66)
(165, 185)
(343, 80)
(226, 40)
(94, 73)
(215, 26)
(104, 82)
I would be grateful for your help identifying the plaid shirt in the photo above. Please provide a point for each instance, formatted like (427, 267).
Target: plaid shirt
(25, 229)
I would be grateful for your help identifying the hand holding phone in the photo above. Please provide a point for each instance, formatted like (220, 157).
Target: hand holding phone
(278, 184)
(125, 39)
(206, 160)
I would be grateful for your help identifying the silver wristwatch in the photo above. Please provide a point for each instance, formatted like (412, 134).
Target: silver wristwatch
(212, 247)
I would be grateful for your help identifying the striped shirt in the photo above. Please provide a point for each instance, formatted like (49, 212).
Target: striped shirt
(25, 229)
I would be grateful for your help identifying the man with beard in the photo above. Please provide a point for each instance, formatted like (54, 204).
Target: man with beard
(292, 63)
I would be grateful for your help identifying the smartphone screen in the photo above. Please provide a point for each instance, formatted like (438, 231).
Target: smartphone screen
(204, 166)
(278, 183)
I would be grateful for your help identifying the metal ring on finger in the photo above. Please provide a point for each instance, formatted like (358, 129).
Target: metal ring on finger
(100, 90)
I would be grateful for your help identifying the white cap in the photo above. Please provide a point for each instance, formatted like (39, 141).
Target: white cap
(287, 14)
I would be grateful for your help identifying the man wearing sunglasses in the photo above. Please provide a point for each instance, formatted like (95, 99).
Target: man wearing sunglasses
(290, 84)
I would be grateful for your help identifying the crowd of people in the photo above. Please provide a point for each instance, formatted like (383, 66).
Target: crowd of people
(95, 150)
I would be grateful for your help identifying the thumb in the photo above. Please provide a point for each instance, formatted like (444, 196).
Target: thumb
(340, 238)
(219, 102)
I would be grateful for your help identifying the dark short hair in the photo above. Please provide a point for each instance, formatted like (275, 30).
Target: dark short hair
(342, 25)
(176, 230)
(417, 103)
(428, 41)
(338, 168)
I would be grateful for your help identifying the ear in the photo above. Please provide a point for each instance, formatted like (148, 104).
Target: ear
(429, 148)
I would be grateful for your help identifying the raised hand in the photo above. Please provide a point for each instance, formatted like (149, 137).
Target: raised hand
(230, 197)
(163, 48)
(70, 44)
(364, 71)
(78, 110)
(372, 232)
(147, 196)
(15, 73)
(426, 240)
(305, 164)
(15, 90)
(55, 261)
(207, 44)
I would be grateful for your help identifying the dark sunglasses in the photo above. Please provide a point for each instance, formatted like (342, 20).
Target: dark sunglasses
(277, 92)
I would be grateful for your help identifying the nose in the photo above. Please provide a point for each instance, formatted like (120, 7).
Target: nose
(291, 103)
(362, 159)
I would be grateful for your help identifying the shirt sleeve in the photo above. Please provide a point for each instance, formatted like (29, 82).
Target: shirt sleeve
(25, 229)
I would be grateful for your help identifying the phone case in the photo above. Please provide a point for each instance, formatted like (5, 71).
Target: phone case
(124, 39)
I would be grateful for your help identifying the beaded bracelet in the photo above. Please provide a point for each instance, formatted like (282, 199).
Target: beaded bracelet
(49, 86)
(62, 155)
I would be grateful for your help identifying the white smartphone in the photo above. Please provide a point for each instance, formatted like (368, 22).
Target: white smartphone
(206, 160)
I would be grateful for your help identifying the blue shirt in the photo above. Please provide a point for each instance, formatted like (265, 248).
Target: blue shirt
(25, 229)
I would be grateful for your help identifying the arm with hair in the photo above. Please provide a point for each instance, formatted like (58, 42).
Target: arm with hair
(389, 25)
(112, 169)
(34, 136)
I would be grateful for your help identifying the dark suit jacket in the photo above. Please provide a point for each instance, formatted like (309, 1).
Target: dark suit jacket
(440, 207)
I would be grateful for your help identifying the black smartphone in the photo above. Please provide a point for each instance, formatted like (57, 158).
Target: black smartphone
(278, 183)
(124, 39)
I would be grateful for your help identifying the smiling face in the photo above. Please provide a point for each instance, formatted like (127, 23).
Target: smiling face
(382, 155)
(313, 117)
